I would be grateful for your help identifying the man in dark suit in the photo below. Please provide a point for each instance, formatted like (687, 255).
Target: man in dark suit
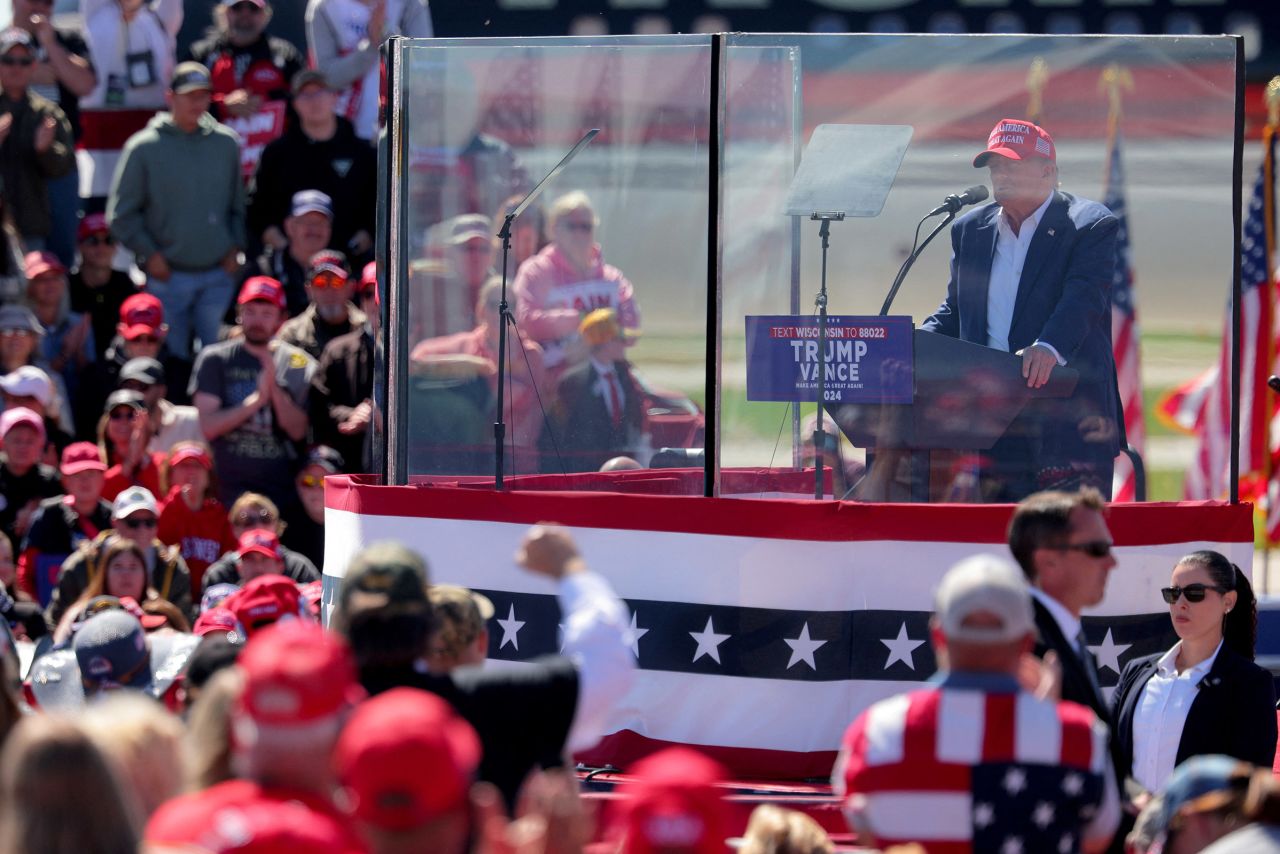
(599, 410)
(1061, 541)
(1031, 274)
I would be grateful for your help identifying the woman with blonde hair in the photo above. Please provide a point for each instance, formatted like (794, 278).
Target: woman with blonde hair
(59, 794)
(774, 830)
(567, 280)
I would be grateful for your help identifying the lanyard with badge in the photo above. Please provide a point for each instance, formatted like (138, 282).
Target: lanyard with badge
(139, 68)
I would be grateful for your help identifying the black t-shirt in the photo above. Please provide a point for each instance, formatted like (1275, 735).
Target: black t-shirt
(522, 716)
(39, 483)
(72, 43)
(102, 304)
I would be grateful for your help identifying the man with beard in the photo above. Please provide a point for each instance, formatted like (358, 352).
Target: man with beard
(251, 392)
(249, 68)
(329, 312)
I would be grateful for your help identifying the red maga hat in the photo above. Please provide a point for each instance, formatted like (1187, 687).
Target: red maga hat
(296, 673)
(141, 314)
(675, 802)
(404, 758)
(262, 288)
(81, 456)
(94, 223)
(1017, 139)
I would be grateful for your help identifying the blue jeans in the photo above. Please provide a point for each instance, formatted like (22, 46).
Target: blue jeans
(194, 303)
(64, 211)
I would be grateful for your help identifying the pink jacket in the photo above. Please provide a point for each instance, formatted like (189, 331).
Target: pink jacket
(552, 297)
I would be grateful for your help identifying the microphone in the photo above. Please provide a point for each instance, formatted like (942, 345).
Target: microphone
(955, 202)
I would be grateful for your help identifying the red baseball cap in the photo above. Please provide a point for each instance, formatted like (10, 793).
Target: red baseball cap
(368, 279)
(404, 758)
(296, 673)
(261, 541)
(675, 802)
(264, 601)
(40, 263)
(141, 314)
(94, 223)
(262, 288)
(215, 620)
(81, 456)
(190, 451)
(1017, 139)
(237, 817)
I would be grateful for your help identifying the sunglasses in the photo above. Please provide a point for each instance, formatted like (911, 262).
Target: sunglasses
(123, 413)
(14, 333)
(1093, 548)
(22, 61)
(328, 280)
(311, 481)
(99, 240)
(134, 524)
(145, 339)
(255, 520)
(245, 7)
(1193, 592)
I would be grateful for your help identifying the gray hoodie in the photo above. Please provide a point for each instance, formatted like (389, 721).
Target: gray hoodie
(179, 193)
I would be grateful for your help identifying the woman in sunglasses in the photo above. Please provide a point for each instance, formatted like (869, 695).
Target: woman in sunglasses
(124, 431)
(1205, 695)
(305, 517)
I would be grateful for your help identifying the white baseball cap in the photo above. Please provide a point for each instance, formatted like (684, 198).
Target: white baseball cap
(28, 381)
(133, 499)
(990, 585)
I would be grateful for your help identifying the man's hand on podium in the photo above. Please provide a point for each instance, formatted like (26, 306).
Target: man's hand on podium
(1037, 363)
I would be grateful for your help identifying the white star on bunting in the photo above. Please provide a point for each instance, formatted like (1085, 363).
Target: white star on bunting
(1108, 653)
(1042, 817)
(511, 628)
(634, 633)
(1015, 780)
(803, 648)
(708, 642)
(983, 815)
(900, 649)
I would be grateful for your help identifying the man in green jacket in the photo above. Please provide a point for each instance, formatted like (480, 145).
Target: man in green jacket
(177, 201)
(35, 140)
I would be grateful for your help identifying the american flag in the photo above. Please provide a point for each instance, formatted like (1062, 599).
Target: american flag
(961, 770)
(1208, 475)
(1124, 325)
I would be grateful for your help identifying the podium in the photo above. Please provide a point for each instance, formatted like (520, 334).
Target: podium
(967, 398)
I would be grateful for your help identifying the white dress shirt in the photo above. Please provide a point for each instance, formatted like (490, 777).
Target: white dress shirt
(1161, 714)
(1006, 273)
(597, 637)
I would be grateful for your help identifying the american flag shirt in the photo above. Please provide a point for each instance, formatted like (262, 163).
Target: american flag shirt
(972, 763)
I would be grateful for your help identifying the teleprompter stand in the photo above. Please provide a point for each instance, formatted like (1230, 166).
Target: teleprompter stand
(845, 171)
(504, 312)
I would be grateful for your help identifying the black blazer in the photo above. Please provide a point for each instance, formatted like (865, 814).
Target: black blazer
(1233, 713)
(585, 434)
(1076, 686)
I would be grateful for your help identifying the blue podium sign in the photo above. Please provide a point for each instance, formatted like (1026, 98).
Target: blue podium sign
(868, 359)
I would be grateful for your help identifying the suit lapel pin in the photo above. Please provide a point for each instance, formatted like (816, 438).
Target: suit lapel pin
(1051, 232)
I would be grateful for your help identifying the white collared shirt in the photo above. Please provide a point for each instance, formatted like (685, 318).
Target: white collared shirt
(604, 370)
(1161, 715)
(1006, 273)
(1067, 622)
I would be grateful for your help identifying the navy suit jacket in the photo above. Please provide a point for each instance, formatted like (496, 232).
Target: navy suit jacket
(1233, 713)
(1076, 686)
(1064, 299)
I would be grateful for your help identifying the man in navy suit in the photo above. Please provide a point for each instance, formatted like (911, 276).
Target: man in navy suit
(1031, 274)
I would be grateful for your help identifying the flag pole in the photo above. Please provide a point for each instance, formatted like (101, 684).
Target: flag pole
(1272, 96)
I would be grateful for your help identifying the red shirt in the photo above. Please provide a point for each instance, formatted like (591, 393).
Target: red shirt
(148, 475)
(202, 535)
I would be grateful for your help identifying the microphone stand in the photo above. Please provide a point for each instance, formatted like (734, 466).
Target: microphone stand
(911, 259)
(819, 435)
(504, 312)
